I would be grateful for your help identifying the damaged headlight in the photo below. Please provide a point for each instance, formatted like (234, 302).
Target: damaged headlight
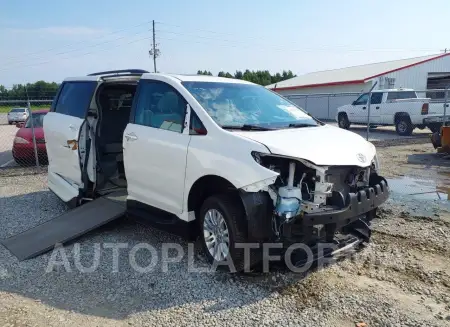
(256, 156)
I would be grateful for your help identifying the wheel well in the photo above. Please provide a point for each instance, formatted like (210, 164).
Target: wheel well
(342, 114)
(399, 115)
(206, 186)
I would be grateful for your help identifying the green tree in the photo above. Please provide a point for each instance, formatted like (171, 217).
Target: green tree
(37, 90)
(199, 72)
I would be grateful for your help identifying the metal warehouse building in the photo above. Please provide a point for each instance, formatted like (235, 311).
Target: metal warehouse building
(321, 93)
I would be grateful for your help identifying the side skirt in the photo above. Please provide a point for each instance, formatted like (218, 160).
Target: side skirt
(162, 220)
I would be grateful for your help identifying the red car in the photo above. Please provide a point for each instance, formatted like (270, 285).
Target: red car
(23, 148)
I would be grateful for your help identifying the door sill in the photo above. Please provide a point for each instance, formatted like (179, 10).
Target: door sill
(162, 220)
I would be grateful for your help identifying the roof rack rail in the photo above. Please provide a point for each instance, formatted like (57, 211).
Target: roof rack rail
(129, 72)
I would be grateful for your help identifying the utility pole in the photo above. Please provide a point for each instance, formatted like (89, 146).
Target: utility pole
(154, 51)
(154, 47)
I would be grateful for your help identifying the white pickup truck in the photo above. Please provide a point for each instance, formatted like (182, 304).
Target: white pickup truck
(398, 107)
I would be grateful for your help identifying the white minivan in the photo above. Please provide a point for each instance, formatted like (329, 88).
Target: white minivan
(225, 160)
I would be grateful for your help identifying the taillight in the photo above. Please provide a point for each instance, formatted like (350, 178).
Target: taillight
(424, 109)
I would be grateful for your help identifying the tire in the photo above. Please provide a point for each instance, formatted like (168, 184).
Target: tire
(435, 128)
(343, 121)
(10, 122)
(22, 162)
(403, 126)
(230, 208)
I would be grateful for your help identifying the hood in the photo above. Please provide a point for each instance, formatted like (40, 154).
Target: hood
(323, 145)
(28, 135)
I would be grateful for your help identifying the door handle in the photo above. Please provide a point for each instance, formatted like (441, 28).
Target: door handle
(364, 107)
(377, 107)
(131, 137)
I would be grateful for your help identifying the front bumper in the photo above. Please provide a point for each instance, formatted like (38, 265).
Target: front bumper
(358, 204)
(26, 151)
(353, 217)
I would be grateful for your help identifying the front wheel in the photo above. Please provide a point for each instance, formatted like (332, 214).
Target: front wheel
(222, 225)
(343, 121)
(403, 126)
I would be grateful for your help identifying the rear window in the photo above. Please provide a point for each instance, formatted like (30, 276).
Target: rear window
(402, 95)
(75, 98)
(18, 110)
(38, 120)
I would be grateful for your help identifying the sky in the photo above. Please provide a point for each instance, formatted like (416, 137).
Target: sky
(50, 40)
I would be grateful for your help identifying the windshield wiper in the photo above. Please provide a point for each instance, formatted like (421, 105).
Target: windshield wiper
(299, 125)
(247, 127)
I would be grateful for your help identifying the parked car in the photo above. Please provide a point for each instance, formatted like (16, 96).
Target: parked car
(16, 115)
(398, 107)
(221, 159)
(23, 146)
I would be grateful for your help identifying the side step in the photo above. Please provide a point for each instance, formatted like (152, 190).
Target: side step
(67, 227)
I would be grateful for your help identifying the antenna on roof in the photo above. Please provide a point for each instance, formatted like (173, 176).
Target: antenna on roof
(275, 87)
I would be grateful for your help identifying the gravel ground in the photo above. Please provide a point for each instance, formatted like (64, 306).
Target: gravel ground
(402, 278)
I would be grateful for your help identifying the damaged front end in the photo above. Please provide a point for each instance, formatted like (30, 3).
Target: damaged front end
(309, 204)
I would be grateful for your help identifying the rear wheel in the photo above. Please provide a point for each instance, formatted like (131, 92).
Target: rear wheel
(222, 225)
(343, 121)
(403, 126)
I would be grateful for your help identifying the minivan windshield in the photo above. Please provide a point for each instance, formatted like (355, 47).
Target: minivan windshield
(247, 106)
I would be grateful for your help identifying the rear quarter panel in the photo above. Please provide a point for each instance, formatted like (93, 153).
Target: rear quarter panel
(412, 107)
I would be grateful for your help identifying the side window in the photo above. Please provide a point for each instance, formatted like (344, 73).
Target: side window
(406, 95)
(362, 99)
(196, 126)
(376, 98)
(75, 98)
(160, 106)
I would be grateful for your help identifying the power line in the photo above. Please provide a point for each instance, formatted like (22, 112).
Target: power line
(209, 31)
(265, 38)
(236, 44)
(80, 55)
(82, 48)
(72, 44)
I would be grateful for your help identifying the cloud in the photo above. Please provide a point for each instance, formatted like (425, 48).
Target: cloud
(74, 31)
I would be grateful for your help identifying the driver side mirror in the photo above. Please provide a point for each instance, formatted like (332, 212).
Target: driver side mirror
(20, 125)
(353, 103)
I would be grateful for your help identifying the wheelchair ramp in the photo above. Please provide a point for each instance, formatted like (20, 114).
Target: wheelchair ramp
(67, 227)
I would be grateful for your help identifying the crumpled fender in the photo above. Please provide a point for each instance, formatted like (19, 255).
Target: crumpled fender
(258, 208)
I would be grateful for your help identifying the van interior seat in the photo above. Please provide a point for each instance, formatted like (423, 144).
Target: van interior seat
(114, 120)
(169, 108)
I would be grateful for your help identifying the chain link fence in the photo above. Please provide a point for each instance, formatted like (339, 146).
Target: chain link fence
(397, 109)
(22, 142)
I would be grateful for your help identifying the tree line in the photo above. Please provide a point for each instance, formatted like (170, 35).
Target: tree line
(37, 90)
(261, 77)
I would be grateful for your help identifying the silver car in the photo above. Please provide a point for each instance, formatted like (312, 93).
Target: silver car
(17, 115)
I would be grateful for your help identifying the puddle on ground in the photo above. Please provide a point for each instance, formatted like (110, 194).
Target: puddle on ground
(423, 197)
